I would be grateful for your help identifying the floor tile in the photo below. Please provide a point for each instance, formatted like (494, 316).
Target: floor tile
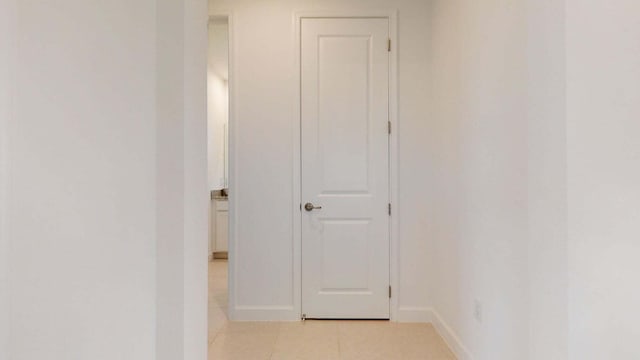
(309, 340)
(314, 339)
(367, 340)
(242, 346)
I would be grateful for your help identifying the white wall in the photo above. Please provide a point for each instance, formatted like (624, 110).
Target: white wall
(107, 138)
(553, 255)
(547, 184)
(498, 125)
(182, 195)
(218, 51)
(217, 114)
(479, 144)
(82, 181)
(603, 123)
(170, 182)
(7, 51)
(217, 100)
(196, 200)
(264, 119)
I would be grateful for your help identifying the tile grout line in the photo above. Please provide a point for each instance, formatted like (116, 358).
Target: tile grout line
(213, 339)
(225, 311)
(338, 339)
(275, 342)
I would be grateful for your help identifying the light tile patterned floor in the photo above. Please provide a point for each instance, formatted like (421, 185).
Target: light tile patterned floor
(313, 339)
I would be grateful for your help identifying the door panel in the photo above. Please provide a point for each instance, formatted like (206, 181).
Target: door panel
(345, 168)
(343, 134)
(343, 242)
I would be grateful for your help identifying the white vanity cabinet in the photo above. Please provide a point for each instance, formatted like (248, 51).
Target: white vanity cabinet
(220, 227)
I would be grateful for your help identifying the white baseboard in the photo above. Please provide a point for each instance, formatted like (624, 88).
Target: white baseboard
(450, 337)
(414, 315)
(430, 315)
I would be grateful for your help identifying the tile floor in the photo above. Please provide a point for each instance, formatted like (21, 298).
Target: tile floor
(313, 339)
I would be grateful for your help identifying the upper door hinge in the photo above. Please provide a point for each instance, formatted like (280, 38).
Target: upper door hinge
(389, 127)
(389, 291)
(388, 44)
(389, 208)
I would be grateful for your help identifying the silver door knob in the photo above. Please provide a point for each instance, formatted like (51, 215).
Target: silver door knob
(310, 207)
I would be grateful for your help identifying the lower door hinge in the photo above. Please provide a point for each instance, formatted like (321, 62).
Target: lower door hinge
(389, 208)
(389, 291)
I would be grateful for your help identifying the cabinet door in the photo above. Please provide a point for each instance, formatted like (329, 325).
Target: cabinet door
(222, 230)
(212, 226)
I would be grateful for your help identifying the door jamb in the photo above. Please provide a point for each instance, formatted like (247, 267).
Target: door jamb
(392, 16)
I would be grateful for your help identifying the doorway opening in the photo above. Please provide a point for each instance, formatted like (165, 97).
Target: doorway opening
(218, 168)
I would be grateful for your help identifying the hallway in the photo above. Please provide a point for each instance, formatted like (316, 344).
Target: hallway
(311, 339)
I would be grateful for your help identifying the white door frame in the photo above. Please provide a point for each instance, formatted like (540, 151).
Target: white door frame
(392, 16)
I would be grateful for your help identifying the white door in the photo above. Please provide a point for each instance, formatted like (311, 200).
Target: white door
(345, 168)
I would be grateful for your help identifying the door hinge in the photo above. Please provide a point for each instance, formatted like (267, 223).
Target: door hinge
(389, 291)
(389, 126)
(389, 208)
(388, 44)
